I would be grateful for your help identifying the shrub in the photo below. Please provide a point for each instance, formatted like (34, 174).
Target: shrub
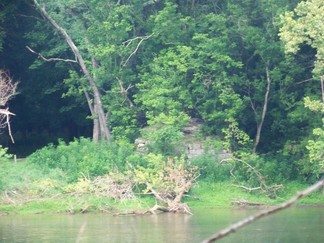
(164, 139)
(83, 157)
(24, 177)
(4, 156)
(211, 168)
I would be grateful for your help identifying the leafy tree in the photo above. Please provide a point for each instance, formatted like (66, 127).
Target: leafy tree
(188, 75)
(304, 25)
(100, 129)
(6, 8)
(108, 37)
(254, 27)
(316, 146)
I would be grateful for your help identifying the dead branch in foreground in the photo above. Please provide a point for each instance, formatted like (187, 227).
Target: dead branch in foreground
(232, 228)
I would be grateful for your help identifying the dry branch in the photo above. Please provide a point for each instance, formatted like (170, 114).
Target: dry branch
(270, 191)
(232, 228)
(51, 59)
(129, 42)
(5, 113)
(124, 92)
(167, 183)
(177, 180)
(8, 90)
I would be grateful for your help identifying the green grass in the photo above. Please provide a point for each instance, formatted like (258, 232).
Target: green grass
(203, 194)
(291, 188)
(222, 194)
(75, 205)
(40, 191)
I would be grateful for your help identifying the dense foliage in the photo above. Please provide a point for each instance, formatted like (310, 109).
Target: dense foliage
(82, 157)
(159, 64)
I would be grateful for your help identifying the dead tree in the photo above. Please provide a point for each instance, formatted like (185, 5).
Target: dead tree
(8, 89)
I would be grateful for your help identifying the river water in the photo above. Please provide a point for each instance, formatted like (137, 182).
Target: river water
(291, 225)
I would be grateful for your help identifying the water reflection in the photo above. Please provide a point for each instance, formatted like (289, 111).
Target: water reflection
(293, 225)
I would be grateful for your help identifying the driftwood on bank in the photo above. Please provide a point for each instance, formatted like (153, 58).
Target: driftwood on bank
(168, 181)
(176, 181)
(269, 190)
(232, 228)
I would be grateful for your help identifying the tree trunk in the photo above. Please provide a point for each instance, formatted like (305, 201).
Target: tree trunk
(101, 130)
(264, 110)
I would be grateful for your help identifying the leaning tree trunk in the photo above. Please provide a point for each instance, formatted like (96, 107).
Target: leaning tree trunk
(264, 110)
(101, 130)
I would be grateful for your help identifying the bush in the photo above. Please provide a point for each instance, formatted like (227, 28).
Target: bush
(4, 161)
(20, 177)
(164, 139)
(4, 156)
(211, 168)
(83, 157)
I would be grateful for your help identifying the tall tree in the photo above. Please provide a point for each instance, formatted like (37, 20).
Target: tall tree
(108, 36)
(305, 25)
(100, 127)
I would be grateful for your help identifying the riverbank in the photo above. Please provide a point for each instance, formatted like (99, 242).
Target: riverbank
(203, 195)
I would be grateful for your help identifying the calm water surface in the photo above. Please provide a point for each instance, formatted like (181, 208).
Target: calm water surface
(293, 225)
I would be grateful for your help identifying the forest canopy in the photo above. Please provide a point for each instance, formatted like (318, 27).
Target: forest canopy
(109, 70)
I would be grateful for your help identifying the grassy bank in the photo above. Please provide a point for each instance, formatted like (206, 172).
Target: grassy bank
(225, 194)
(203, 194)
(68, 179)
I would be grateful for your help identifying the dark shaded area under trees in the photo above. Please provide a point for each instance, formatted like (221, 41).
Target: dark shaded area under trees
(43, 115)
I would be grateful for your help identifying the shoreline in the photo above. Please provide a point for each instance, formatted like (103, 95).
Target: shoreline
(203, 195)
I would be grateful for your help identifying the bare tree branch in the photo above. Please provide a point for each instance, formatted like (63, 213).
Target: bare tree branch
(52, 59)
(8, 88)
(270, 191)
(232, 228)
(7, 114)
(124, 91)
(129, 42)
(7, 91)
